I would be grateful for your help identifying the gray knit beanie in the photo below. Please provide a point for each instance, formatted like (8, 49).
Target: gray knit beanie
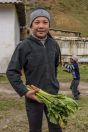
(39, 13)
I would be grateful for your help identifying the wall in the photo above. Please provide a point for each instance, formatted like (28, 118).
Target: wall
(8, 34)
(73, 46)
(16, 28)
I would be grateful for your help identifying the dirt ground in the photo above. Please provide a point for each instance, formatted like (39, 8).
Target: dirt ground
(10, 122)
(64, 88)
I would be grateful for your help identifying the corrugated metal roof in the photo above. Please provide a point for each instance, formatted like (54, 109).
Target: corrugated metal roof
(20, 9)
(10, 1)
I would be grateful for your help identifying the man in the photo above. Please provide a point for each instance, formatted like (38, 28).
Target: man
(39, 57)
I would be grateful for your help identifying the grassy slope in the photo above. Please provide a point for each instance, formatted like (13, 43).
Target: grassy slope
(67, 14)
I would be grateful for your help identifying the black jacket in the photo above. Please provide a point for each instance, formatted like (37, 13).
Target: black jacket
(39, 63)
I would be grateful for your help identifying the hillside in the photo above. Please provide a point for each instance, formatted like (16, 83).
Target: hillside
(69, 15)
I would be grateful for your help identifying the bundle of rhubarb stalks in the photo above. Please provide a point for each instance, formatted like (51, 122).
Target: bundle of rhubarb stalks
(59, 106)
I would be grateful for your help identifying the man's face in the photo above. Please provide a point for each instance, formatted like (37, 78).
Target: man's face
(71, 60)
(40, 27)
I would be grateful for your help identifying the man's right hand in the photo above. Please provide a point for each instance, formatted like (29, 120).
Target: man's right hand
(31, 94)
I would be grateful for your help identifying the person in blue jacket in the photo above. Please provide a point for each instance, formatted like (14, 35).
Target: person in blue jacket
(39, 56)
(74, 69)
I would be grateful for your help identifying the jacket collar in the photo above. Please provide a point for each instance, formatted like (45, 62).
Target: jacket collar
(37, 40)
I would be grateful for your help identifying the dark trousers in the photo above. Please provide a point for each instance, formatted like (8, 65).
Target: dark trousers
(74, 88)
(35, 116)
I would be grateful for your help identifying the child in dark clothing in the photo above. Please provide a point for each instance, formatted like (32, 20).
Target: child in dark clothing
(39, 56)
(74, 69)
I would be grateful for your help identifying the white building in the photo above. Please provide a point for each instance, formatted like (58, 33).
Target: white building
(12, 17)
(74, 46)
